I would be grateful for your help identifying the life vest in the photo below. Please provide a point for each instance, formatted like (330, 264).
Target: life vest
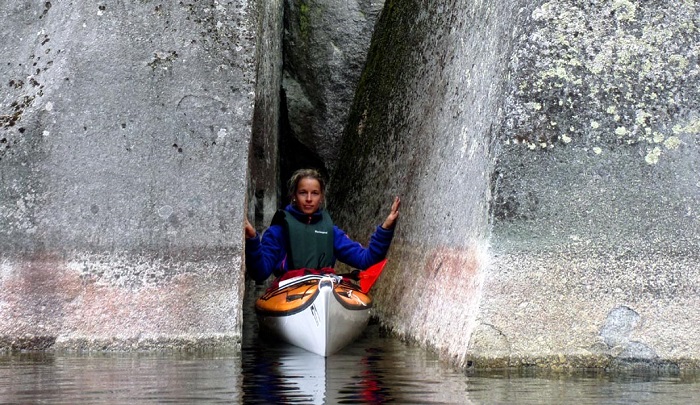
(309, 245)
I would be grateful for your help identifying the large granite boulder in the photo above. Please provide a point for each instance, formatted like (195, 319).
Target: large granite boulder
(545, 156)
(124, 132)
(264, 159)
(597, 188)
(422, 127)
(325, 47)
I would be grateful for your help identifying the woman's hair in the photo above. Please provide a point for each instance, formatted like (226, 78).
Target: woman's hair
(303, 174)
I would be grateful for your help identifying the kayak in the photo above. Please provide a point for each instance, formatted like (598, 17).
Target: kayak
(321, 313)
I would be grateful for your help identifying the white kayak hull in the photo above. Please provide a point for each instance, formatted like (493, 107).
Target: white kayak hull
(333, 315)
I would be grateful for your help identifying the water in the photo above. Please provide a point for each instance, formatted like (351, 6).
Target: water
(375, 369)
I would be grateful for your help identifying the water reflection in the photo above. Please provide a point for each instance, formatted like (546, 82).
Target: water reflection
(582, 387)
(119, 378)
(286, 375)
(375, 369)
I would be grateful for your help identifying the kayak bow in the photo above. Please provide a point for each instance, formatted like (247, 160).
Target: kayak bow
(319, 313)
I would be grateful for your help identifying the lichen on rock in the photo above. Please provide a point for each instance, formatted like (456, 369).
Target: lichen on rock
(621, 64)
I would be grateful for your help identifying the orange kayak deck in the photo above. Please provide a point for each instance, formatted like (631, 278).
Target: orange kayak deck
(296, 296)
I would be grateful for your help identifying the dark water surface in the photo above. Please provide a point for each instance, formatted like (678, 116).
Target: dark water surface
(375, 369)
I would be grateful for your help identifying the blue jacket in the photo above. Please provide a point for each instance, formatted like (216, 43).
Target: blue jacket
(267, 254)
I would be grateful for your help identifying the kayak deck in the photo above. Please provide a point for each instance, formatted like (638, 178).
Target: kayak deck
(319, 313)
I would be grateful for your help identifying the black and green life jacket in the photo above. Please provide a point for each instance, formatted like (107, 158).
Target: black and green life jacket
(309, 245)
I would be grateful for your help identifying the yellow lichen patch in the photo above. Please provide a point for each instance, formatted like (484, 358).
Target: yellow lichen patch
(625, 9)
(542, 12)
(560, 73)
(600, 62)
(658, 137)
(595, 124)
(692, 128)
(575, 62)
(672, 142)
(647, 67)
(681, 60)
(597, 150)
(565, 139)
(620, 131)
(629, 48)
(652, 156)
(562, 40)
(642, 117)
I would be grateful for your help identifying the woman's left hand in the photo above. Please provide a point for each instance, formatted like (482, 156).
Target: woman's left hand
(390, 220)
(249, 230)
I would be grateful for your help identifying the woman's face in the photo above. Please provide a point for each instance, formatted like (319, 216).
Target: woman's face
(308, 195)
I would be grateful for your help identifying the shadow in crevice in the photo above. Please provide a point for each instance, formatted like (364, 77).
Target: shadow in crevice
(293, 154)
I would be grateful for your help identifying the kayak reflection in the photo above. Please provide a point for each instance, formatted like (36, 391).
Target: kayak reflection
(289, 374)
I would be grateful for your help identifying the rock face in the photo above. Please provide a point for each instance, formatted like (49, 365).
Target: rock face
(596, 185)
(263, 185)
(325, 47)
(422, 127)
(545, 157)
(124, 132)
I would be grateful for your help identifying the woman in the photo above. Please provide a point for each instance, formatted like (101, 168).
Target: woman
(302, 236)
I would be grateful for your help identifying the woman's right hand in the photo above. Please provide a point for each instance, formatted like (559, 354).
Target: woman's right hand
(249, 230)
(390, 220)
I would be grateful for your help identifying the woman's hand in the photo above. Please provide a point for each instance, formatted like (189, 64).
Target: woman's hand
(249, 230)
(390, 220)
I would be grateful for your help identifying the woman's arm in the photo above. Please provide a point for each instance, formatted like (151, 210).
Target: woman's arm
(354, 254)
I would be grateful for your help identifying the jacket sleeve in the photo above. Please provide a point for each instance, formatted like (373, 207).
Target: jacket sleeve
(264, 255)
(354, 254)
